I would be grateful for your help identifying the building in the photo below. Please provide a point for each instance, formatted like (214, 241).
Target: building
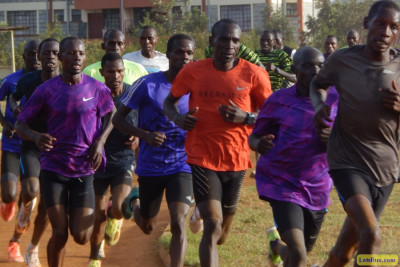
(90, 18)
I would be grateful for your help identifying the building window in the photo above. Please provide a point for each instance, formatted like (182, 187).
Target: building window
(111, 19)
(291, 9)
(195, 8)
(76, 15)
(177, 12)
(59, 15)
(239, 13)
(23, 18)
(139, 14)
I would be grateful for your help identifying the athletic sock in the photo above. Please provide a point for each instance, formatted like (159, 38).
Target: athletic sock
(32, 247)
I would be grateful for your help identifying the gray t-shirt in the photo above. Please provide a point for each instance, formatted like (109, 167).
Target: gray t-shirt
(365, 135)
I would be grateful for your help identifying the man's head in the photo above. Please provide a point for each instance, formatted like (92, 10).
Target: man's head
(48, 54)
(31, 55)
(180, 51)
(267, 41)
(278, 39)
(382, 23)
(307, 62)
(72, 55)
(330, 45)
(353, 37)
(112, 69)
(148, 40)
(114, 41)
(225, 40)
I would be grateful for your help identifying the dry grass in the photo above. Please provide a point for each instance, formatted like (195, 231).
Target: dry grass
(247, 243)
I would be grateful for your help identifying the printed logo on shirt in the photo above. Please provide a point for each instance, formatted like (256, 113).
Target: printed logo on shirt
(240, 88)
(87, 99)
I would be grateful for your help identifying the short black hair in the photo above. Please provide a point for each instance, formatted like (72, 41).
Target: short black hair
(268, 32)
(108, 32)
(112, 56)
(176, 37)
(147, 27)
(217, 24)
(331, 36)
(45, 41)
(66, 40)
(382, 4)
(31, 43)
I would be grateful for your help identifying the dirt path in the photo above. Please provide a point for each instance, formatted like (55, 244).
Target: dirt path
(133, 249)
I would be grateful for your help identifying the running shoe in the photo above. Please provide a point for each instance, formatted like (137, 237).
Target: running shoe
(127, 210)
(272, 235)
(32, 258)
(7, 210)
(102, 254)
(195, 221)
(112, 231)
(94, 263)
(14, 254)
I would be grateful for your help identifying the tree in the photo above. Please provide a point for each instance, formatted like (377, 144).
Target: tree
(55, 32)
(276, 20)
(336, 19)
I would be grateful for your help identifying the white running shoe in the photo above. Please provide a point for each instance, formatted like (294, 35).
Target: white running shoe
(195, 221)
(32, 258)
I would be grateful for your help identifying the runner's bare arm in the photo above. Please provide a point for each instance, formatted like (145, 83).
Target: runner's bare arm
(186, 121)
(43, 141)
(318, 93)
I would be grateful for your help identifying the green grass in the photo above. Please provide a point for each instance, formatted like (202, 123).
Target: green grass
(247, 242)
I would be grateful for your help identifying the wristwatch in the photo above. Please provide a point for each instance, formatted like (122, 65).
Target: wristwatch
(250, 118)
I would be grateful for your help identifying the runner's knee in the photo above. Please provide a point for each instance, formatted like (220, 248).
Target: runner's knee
(370, 236)
(178, 225)
(212, 226)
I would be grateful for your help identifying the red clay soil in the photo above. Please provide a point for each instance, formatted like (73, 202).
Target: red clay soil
(133, 249)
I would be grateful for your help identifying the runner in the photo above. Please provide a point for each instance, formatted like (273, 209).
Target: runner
(163, 142)
(330, 45)
(276, 62)
(243, 52)
(221, 90)
(279, 44)
(363, 145)
(114, 41)
(292, 173)
(72, 105)
(152, 60)
(120, 155)
(353, 37)
(30, 154)
(10, 165)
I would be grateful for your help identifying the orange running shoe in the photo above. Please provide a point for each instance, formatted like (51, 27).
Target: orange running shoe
(14, 254)
(7, 210)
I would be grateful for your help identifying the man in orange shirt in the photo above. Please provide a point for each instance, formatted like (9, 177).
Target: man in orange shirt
(225, 94)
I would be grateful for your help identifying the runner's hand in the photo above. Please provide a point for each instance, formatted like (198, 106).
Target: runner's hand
(265, 144)
(17, 110)
(324, 135)
(96, 154)
(155, 138)
(232, 113)
(44, 141)
(132, 143)
(9, 130)
(321, 116)
(391, 97)
(187, 121)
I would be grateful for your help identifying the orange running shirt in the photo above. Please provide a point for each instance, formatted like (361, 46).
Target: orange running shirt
(214, 143)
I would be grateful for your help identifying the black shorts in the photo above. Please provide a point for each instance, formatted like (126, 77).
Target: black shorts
(350, 182)
(10, 168)
(178, 188)
(223, 186)
(57, 189)
(113, 178)
(30, 160)
(288, 215)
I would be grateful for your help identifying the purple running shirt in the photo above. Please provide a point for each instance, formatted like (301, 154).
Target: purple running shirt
(73, 116)
(7, 87)
(295, 169)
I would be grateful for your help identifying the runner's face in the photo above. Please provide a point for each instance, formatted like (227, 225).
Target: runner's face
(148, 40)
(73, 58)
(114, 42)
(308, 66)
(30, 56)
(353, 38)
(383, 29)
(226, 43)
(181, 54)
(278, 41)
(48, 56)
(330, 45)
(113, 73)
(267, 42)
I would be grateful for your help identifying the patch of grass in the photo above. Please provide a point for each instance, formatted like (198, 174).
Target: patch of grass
(247, 242)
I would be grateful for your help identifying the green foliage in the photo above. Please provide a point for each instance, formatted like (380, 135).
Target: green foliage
(5, 46)
(93, 50)
(336, 18)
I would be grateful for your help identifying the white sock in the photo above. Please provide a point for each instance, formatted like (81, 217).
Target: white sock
(32, 247)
